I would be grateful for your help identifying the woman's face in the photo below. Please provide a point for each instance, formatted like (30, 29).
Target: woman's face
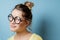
(18, 23)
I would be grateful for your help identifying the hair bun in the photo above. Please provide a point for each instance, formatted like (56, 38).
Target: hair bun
(29, 4)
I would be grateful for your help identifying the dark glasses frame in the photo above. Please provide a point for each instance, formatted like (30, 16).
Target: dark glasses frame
(14, 18)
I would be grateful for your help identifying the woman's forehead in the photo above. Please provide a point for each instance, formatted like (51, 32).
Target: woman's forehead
(16, 12)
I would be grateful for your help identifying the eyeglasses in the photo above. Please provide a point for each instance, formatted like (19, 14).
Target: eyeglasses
(16, 19)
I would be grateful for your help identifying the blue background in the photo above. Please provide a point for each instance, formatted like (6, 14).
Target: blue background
(46, 18)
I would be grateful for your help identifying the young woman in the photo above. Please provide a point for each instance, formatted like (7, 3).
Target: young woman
(20, 19)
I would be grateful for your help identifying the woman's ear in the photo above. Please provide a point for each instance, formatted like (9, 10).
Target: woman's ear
(27, 22)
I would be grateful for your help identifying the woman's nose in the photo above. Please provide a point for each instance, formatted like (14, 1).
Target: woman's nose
(13, 22)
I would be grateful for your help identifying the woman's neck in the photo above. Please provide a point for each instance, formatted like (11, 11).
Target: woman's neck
(22, 33)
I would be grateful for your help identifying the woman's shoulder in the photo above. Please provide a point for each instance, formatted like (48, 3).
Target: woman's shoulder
(35, 37)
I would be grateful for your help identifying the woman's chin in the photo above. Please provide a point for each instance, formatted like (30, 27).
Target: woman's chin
(12, 29)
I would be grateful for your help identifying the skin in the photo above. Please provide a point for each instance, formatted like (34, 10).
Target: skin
(20, 29)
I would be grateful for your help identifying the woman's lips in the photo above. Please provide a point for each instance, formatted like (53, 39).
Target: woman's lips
(13, 26)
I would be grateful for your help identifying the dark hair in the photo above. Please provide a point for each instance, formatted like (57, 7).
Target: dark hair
(29, 2)
(27, 12)
(30, 5)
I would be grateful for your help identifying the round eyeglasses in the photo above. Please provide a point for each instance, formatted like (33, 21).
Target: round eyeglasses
(16, 19)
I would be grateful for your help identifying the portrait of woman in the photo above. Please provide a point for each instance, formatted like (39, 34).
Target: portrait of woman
(30, 20)
(20, 18)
